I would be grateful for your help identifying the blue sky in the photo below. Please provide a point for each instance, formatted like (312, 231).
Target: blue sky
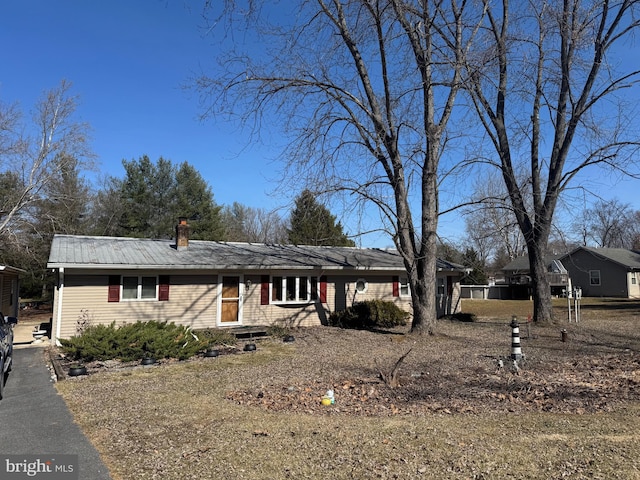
(127, 61)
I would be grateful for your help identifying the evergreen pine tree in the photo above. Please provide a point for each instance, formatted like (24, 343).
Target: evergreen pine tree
(478, 275)
(193, 199)
(313, 224)
(154, 196)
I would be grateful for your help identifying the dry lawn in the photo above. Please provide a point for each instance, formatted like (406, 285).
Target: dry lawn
(571, 411)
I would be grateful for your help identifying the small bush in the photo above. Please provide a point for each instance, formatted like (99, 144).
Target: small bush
(278, 331)
(133, 341)
(216, 336)
(370, 314)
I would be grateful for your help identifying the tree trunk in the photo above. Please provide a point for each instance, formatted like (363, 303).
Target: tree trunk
(542, 307)
(423, 282)
(422, 269)
(424, 308)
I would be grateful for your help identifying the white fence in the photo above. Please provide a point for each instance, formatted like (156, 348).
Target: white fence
(485, 292)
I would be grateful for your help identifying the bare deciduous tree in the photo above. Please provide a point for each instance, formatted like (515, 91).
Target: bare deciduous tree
(545, 85)
(490, 223)
(248, 224)
(608, 223)
(366, 90)
(34, 154)
(634, 231)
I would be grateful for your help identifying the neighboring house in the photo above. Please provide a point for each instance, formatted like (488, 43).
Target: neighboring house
(10, 290)
(207, 284)
(604, 272)
(518, 276)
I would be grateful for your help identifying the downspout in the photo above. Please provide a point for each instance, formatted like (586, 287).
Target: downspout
(59, 306)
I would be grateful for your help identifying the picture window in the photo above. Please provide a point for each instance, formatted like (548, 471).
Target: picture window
(294, 289)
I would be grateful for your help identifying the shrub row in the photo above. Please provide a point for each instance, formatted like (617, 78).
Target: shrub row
(133, 341)
(370, 314)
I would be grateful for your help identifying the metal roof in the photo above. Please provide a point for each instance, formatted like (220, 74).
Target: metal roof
(75, 251)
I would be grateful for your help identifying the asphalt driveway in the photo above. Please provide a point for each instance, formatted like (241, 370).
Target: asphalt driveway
(34, 420)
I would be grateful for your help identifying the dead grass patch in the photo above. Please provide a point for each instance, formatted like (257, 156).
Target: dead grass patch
(570, 412)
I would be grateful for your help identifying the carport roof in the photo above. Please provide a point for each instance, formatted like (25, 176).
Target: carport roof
(111, 253)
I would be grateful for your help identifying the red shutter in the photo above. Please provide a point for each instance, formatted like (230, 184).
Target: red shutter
(396, 286)
(163, 288)
(114, 288)
(323, 289)
(264, 290)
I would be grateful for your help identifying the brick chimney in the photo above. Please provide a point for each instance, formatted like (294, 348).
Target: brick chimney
(182, 234)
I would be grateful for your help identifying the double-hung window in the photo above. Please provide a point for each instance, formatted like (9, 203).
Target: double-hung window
(404, 287)
(294, 289)
(139, 288)
(594, 277)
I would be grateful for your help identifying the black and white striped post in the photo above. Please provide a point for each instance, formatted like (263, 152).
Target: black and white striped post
(516, 350)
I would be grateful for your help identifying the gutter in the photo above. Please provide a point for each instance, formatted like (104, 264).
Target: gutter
(222, 267)
(9, 269)
(239, 267)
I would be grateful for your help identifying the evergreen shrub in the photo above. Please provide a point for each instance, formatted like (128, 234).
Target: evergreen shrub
(369, 315)
(133, 341)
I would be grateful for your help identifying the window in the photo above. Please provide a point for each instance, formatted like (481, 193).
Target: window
(594, 277)
(404, 287)
(440, 286)
(361, 285)
(294, 289)
(14, 289)
(633, 278)
(139, 288)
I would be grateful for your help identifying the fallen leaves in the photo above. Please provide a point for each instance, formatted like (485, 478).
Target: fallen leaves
(591, 385)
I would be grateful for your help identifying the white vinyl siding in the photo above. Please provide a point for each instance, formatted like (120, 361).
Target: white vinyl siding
(193, 299)
(192, 303)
